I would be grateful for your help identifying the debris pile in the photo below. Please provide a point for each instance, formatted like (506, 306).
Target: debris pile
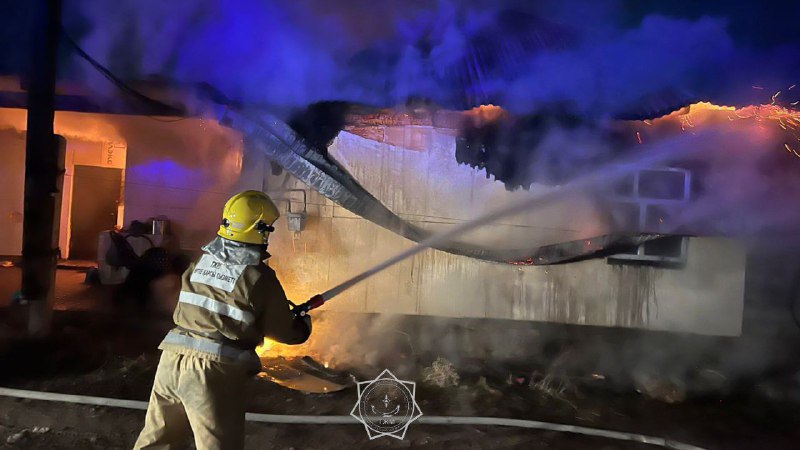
(441, 373)
(553, 385)
(304, 375)
(483, 386)
(664, 389)
(20, 436)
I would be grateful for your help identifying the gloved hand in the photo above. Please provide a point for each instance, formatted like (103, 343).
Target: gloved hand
(302, 309)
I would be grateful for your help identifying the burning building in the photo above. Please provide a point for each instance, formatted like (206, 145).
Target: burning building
(628, 255)
(356, 180)
(488, 196)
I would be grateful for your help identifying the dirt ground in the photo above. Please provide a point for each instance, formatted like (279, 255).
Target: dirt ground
(105, 350)
(76, 361)
(714, 426)
(96, 427)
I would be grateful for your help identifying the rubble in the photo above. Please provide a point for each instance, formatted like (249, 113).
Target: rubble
(667, 390)
(24, 434)
(483, 385)
(17, 437)
(550, 384)
(710, 382)
(304, 374)
(555, 385)
(441, 373)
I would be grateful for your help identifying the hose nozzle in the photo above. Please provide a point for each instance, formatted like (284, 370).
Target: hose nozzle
(314, 302)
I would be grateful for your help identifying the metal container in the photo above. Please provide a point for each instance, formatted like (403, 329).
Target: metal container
(296, 221)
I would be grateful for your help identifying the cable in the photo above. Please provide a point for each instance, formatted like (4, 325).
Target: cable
(348, 420)
(168, 110)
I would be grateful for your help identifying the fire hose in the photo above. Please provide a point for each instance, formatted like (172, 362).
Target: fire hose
(348, 420)
(273, 138)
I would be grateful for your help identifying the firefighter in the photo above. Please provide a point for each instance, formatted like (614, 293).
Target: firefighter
(229, 301)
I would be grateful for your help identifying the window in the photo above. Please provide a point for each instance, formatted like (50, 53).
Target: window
(647, 202)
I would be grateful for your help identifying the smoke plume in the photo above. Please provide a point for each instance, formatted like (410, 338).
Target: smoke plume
(600, 59)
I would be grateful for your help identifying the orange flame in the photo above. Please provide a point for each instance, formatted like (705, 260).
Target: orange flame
(274, 349)
(786, 121)
(484, 114)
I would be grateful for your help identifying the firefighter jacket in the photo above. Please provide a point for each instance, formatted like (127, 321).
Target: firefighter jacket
(229, 301)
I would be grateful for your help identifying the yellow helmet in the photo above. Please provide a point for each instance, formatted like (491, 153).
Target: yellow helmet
(248, 217)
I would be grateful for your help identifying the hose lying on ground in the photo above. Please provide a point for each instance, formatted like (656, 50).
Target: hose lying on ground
(348, 420)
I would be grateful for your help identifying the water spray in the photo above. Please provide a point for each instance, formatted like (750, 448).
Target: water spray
(651, 155)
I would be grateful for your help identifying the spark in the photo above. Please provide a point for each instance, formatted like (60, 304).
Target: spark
(791, 87)
(760, 88)
(762, 116)
(790, 149)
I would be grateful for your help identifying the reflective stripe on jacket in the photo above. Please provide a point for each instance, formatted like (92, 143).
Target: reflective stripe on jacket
(225, 310)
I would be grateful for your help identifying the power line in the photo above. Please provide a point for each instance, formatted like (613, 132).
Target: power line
(121, 85)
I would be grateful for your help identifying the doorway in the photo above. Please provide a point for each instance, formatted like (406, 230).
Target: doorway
(95, 202)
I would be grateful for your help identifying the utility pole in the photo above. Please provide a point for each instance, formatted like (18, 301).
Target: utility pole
(43, 169)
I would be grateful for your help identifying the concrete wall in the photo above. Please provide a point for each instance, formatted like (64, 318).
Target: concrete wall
(427, 187)
(705, 297)
(185, 170)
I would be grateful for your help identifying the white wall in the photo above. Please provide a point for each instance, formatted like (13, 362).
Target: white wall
(185, 170)
(706, 297)
(427, 187)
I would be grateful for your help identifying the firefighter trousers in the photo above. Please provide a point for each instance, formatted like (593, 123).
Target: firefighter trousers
(192, 392)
